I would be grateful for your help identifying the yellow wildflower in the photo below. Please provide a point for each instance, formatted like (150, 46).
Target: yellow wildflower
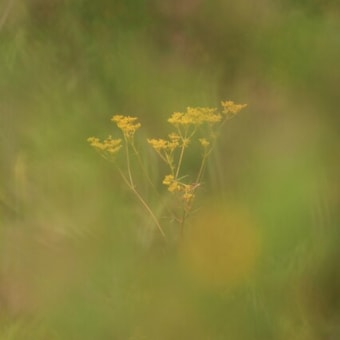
(174, 186)
(94, 141)
(158, 144)
(230, 107)
(168, 179)
(176, 118)
(174, 137)
(186, 190)
(185, 142)
(203, 115)
(188, 196)
(109, 145)
(195, 116)
(164, 145)
(126, 124)
(204, 142)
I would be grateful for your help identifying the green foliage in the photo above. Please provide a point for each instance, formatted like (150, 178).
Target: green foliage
(258, 260)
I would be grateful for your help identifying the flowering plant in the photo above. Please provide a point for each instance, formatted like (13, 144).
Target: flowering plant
(198, 125)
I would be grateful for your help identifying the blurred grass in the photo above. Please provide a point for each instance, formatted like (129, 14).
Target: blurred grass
(74, 260)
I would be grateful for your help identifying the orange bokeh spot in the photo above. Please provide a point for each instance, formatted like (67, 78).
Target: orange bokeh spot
(221, 246)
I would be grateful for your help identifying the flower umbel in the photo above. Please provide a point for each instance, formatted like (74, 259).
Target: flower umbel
(204, 142)
(109, 145)
(195, 116)
(176, 186)
(229, 107)
(127, 125)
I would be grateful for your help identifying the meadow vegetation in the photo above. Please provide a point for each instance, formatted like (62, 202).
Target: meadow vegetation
(190, 225)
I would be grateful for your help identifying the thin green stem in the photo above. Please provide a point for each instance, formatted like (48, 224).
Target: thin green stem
(131, 185)
(146, 174)
(180, 158)
(142, 201)
(153, 216)
(186, 137)
(128, 163)
(202, 168)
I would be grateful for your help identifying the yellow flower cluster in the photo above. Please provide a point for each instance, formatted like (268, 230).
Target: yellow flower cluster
(204, 142)
(230, 107)
(165, 148)
(127, 125)
(163, 145)
(195, 125)
(109, 145)
(195, 116)
(187, 190)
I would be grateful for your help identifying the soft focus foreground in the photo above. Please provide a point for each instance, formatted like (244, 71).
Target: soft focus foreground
(258, 258)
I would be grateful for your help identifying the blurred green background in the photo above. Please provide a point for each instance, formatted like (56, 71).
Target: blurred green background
(262, 260)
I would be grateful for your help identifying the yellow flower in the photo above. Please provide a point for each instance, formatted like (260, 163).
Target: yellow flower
(195, 116)
(93, 141)
(126, 124)
(188, 196)
(164, 145)
(174, 137)
(186, 190)
(185, 142)
(158, 144)
(168, 179)
(204, 142)
(204, 115)
(109, 145)
(230, 107)
(174, 186)
(176, 118)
